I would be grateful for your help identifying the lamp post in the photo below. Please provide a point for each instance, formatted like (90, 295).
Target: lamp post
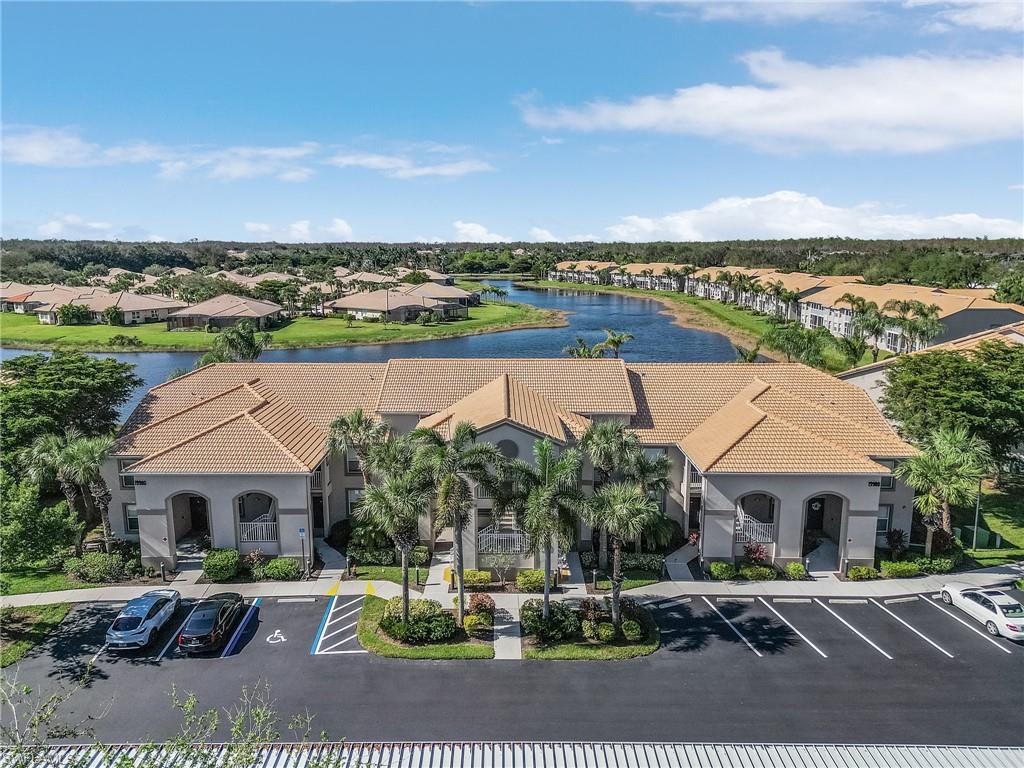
(977, 514)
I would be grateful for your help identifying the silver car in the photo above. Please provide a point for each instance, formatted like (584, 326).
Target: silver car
(141, 619)
(1000, 613)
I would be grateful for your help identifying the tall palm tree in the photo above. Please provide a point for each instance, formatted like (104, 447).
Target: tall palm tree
(614, 341)
(50, 458)
(610, 446)
(546, 497)
(946, 473)
(356, 432)
(87, 456)
(237, 343)
(393, 504)
(584, 350)
(867, 321)
(852, 348)
(625, 511)
(451, 463)
(651, 473)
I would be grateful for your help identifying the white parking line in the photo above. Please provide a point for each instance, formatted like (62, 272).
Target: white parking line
(334, 616)
(799, 633)
(732, 626)
(791, 599)
(335, 619)
(734, 599)
(97, 654)
(973, 629)
(177, 632)
(914, 630)
(296, 599)
(853, 629)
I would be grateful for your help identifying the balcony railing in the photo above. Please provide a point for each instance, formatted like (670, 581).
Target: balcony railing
(695, 478)
(491, 540)
(318, 479)
(262, 529)
(750, 529)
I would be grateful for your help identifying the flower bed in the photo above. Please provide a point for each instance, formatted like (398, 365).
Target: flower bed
(585, 631)
(459, 645)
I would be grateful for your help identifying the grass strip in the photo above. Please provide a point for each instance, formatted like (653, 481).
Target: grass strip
(370, 637)
(582, 650)
(21, 629)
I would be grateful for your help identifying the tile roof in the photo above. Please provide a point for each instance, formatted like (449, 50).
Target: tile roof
(229, 305)
(948, 303)
(506, 399)
(384, 299)
(657, 268)
(586, 266)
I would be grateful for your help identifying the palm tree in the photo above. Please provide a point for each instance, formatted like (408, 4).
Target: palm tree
(51, 457)
(904, 309)
(86, 456)
(238, 343)
(451, 464)
(614, 341)
(651, 473)
(610, 447)
(867, 320)
(356, 432)
(583, 350)
(625, 511)
(926, 325)
(393, 505)
(547, 498)
(852, 348)
(946, 473)
(747, 354)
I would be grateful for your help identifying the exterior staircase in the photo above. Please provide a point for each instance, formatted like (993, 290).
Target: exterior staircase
(678, 563)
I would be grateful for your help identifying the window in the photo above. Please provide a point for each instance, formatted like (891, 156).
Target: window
(887, 480)
(131, 518)
(508, 449)
(127, 481)
(352, 466)
(352, 497)
(884, 520)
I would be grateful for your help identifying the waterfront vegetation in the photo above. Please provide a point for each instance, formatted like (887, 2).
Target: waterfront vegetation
(26, 332)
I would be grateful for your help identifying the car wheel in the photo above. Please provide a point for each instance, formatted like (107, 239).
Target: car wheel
(992, 629)
(947, 598)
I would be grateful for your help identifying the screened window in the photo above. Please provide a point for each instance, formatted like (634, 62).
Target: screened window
(884, 521)
(131, 518)
(126, 481)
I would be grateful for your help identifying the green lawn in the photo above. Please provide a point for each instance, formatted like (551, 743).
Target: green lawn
(26, 332)
(21, 580)
(392, 573)
(632, 579)
(1002, 511)
(581, 650)
(23, 628)
(374, 642)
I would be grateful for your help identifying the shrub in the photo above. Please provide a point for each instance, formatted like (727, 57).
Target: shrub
(942, 542)
(530, 581)
(590, 610)
(643, 561)
(631, 609)
(589, 629)
(255, 563)
(474, 622)
(1019, 584)
(562, 623)
(722, 571)
(632, 631)
(588, 560)
(365, 535)
(935, 565)
(605, 632)
(757, 573)
(476, 579)
(283, 569)
(221, 564)
(796, 571)
(339, 535)
(861, 573)
(755, 552)
(482, 604)
(371, 556)
(896, 540)
(427, 622)
(123, 340)
(900, 569)
(419, 555)
(99, 567)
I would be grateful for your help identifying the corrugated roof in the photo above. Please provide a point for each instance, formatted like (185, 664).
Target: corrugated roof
(533, 755)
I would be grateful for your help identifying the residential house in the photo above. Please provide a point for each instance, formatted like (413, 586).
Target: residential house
(9, 289)
(251, 281)
(780, 293)
(394, 306)
(448, 293)
(775, 453)
(356, 280)
(225, 310)
(653, 276)
(134, 309)
(433, 276)
(588, 272)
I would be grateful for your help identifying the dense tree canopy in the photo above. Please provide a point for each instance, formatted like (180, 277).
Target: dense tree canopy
(44, 394)
(1011, 287)
(981, 391)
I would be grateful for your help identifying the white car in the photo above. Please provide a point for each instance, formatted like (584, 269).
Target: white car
(1000, 613)
(141, 618)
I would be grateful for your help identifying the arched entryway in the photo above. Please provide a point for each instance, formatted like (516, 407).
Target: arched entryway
(755, 518)
(823, 531)
(256, 513)
(190, 521)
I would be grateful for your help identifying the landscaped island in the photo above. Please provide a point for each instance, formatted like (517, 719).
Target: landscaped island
(18, 331)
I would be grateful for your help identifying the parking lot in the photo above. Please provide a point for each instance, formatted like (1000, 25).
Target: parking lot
(747, 669)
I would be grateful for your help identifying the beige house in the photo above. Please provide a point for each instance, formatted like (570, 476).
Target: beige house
(775, 453)
(394, 305)
(133, 308)
(447, 293)
(224, 310)
(433, 276)
(588, 272)
(652, 276)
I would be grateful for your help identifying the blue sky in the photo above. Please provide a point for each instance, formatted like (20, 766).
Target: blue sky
(523, 121)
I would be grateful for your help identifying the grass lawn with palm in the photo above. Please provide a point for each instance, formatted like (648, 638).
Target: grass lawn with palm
(375, 641)
(392, 573)
(585, 650)
(21, 629)
(631, 579)
(1002, 512)
(25, 331)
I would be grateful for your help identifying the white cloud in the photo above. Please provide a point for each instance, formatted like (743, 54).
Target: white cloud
(551, 140)
(71, 226)
(769, 11)
(1016, 186)
(64, 148)
(403, 167)
(299, 231)
(786, 214)
(987, 15)
(471, 232)
(257, 227)
(542, 235)
(339, 229)
(893, 104)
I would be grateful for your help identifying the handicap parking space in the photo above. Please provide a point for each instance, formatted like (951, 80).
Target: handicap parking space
(336, 634)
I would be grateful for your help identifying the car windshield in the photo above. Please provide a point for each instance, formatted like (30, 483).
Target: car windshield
(1015, 611)
(202, 621)
(126, 623)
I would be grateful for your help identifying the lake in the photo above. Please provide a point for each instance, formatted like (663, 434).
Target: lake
(658, 338)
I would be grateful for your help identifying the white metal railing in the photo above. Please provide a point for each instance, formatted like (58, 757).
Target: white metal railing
(318, 479)
(491, 540)
(749, 529)
(694, 477)
(259, 530)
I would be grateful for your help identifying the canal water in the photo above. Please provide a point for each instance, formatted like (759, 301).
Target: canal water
(657, 338)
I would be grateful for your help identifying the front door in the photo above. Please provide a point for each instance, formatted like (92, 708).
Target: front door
(318, 514)
(199, 517)
(815, 514)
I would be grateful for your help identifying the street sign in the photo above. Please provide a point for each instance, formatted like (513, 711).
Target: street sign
(302, 533)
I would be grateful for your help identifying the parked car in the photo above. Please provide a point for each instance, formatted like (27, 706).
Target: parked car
(210, 622)
(1000, 613)
(141, 618)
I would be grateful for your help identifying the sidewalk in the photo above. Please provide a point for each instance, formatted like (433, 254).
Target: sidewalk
(437, 589)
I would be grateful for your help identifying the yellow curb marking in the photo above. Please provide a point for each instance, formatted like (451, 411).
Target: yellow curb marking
(369, 588)
(334, 590)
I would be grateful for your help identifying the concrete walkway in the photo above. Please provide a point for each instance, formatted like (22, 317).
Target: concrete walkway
(576, 584)
(507, 630)
(831, 587)
(678, 563)
(335, 564)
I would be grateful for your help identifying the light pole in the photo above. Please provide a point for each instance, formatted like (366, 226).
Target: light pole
(977, 514)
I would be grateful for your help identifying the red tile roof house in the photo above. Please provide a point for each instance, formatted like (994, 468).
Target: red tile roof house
(773, 453)
(133, 308)
(225, 310)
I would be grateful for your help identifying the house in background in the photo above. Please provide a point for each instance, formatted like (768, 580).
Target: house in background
(588, 272)
(653, 276)
(225, 310)
(394, 306)
(446, 293)
(134, 309)
(774, 453)
(433, 276)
